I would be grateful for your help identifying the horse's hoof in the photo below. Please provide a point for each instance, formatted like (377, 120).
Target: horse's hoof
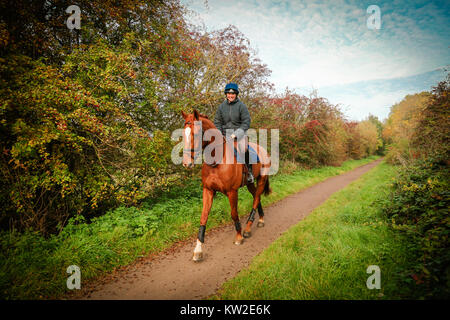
(260, 224)
(198, 256)
(247, 234)
(239, 242)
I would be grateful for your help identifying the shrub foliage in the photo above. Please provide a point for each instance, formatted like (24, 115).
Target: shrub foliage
(419, 202)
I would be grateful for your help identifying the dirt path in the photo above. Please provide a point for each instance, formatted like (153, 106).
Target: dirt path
(173, 275)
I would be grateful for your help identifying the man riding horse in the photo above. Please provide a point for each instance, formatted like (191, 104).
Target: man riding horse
(233, 117)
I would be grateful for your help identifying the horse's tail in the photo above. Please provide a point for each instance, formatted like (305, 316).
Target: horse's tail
(267, 189)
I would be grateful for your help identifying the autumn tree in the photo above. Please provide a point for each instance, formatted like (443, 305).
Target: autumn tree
(379, 125)
(401, 124)
(432, 134)
(368, 134)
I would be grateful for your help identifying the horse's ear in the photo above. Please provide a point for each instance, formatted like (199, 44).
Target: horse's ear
(184, 114)
(196, 115)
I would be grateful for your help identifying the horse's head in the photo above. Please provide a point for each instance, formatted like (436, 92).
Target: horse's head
(191, 145)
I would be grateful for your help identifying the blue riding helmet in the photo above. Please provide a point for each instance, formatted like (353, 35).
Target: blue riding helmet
(232, 88)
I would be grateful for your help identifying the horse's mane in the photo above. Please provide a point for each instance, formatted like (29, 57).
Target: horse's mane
(205, 117)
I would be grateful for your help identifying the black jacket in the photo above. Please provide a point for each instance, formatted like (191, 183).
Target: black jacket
(234, 116)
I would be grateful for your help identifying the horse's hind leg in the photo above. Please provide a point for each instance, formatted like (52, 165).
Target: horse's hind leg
(261, 216)
(256, 192)
(252, 189)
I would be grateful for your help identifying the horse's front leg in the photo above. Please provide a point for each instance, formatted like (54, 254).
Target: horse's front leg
(233, 198)
(207, 203)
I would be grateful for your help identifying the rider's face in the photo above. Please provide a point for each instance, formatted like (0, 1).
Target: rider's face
(231, 96)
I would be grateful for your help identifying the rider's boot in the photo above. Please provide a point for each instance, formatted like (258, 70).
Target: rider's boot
(250, 177)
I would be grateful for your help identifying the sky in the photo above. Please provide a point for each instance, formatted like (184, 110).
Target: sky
(333, 46)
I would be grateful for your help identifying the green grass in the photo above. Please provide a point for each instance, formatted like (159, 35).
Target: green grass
(326, 255)
(32, 267)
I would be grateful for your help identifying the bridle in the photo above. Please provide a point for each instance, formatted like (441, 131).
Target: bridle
(194, 151)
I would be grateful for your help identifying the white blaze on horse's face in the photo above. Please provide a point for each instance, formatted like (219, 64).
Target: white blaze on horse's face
(187, 159)
(192, 144)
(187, 133)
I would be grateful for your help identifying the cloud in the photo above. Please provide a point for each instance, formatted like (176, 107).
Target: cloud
(377, 96)
(321, 44)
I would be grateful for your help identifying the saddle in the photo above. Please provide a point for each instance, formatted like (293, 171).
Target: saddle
(250, 153)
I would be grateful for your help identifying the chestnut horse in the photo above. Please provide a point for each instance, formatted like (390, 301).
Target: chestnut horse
(225, 176)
